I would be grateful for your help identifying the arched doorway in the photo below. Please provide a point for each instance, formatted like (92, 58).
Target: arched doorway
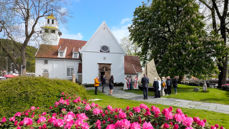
(105, 69)
(45, 73)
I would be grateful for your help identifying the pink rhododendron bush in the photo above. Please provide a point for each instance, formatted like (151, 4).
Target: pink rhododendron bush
(70, 113)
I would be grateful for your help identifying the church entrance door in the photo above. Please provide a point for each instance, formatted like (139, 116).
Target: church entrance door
(105, 69)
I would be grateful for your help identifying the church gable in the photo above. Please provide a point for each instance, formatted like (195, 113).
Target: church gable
(103, 41)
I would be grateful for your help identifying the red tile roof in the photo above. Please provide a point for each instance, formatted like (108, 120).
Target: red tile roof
(51, 51)
(132, 65)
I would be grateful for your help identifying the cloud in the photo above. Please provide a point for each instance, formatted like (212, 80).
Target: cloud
(77, 36)
(121, 30)
(125, 20)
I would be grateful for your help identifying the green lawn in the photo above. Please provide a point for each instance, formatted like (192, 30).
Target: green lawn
(186, 92)
(211, 117)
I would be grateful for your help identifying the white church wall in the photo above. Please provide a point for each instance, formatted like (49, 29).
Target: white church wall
(57, 68)
(91, 55)
(90, 66)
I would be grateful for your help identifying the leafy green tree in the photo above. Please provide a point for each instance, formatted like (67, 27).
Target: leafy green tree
(172, 32)
(6, 61)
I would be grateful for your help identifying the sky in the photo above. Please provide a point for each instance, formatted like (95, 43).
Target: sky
(87, 15)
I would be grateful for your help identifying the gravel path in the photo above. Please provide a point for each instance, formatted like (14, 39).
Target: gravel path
(119, 93)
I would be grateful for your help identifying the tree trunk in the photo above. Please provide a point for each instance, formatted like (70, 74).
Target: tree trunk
(23, 66)
(223, 73)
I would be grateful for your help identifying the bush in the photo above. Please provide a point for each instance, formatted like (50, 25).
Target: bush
(21, 93)
(225, 87)
(71, 113)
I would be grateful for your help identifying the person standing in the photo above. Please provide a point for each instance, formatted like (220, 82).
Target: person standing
(96, 84)
(111, 84)
(103, 79)
(175, 85)
(145, 82)
(136, 82)
(159, 89)
(163, 86)
(156, 87)
(168, 84)
(126, 84)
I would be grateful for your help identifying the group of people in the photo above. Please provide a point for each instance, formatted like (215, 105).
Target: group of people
(131, 83)
(161, 87)
(102, 81)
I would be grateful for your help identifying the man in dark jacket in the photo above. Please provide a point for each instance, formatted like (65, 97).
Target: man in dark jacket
(103, 80)
(145, 82)
(169, 85)
(156, 88)
(175, 84)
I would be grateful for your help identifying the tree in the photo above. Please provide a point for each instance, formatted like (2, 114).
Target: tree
(129, 47)
(219, 12)
(172, 32)
(19, 19)
(6, 62)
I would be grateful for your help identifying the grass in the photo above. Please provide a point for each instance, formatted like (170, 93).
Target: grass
(211, 117)
(19, 94)
(186, 92)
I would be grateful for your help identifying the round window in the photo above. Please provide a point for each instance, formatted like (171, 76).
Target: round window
(104, 49)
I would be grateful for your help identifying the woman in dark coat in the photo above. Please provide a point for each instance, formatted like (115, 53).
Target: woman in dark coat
(111, 84)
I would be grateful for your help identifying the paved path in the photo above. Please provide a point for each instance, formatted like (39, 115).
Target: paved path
(119, 93)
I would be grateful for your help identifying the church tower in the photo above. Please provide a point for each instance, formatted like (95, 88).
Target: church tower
(50, 33)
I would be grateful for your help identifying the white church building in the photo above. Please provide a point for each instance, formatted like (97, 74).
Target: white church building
(101, 55)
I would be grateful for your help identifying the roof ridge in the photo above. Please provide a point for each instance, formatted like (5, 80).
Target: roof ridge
(73, 39)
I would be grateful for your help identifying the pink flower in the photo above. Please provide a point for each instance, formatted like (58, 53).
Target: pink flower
(81, 116)
(69, 116)
(12, 119)
(122, 124)
(216, 125)
(143, 106)
(178, 117)
(176, 126)
(93, 104)
(81, 124)
(96, 111)
(187, 121)
(137, 109)
(188, 128)
(58, 123)
(41, 119)
(76, 100)
(44, 113)
(166, 126)
(18, 114)
(213, 127)
(201, 123)
(109, 107)
(179, 111)
(98, 124)
(33, 108)
(18, 127)
(135, 125)
(170, 109)
(87, 107)
(127, 108)
(122, 115)
(110, 126)
(147, 125)
(27, 121)
(3, 120)
(69, 124)
(156, 111)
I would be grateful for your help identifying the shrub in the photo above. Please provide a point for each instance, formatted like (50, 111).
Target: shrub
(225, 87)
(74, 113)
(18, 94)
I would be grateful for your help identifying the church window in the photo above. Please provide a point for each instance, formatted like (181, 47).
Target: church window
(48, 21)
(53, 31)
(70, 71)
(104, 49)
(45, 61)
(52, 21)
(61, 54)
(75, 55)
(46, 30)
